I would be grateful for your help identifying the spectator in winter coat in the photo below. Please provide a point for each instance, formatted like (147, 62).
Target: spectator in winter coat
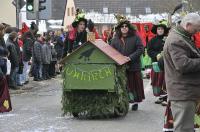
(8, 30)
(62, 35)
(52, 72)
(14, 59)
(28, 41)
(182, 72)
(37, 57)
(46, 59)
(58, 45)
(20, 66)
(19, 45)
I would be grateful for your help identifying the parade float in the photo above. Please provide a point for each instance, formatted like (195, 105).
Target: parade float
(94, 81)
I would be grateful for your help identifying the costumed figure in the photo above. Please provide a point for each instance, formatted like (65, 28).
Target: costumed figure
(154, 50)
(5, 102)
(78, 35)
(129, 44)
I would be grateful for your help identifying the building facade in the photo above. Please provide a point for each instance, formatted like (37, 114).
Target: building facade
(7, 12)
(101, 12)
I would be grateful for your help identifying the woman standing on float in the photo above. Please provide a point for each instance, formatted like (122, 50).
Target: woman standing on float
(128, 43)
(78, 35)
(154, 49)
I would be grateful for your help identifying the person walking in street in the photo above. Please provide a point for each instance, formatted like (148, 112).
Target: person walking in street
(128, 43)
(154, 49)
(5, 102)
(182, 72)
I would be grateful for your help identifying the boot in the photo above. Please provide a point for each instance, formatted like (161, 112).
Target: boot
(135, 107)
(159, 101)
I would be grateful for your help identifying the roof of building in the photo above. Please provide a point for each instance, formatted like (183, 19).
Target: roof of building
(110, 52)
(134, 7)
(106, 49)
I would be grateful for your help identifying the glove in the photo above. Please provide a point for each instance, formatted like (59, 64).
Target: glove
(158, 56)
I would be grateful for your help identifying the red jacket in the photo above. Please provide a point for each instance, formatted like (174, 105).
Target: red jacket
(25, 28)
(144, 35)
(20, 43)
(197, 39)
(96, 34)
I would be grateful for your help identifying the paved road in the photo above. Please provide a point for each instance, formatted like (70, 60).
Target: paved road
(38, 109)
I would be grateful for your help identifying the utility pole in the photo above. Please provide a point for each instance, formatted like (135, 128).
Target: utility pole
(36, 10)
(18, 3)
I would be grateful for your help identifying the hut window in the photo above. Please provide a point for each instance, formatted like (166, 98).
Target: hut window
(73, 11)
(105, 10)
(128, 10)
(68, 11)
(148, 10)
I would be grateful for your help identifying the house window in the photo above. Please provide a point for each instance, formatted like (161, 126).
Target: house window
(91, 10)
(73, 13)
(105, 10)
(148, 10)
(68, 11)
(128, 10)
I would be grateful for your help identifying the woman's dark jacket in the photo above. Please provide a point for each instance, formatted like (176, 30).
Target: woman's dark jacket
(132, 47)
(155, 46)
(13, 56)
(80, 38)
(28, 49)
(59, 47)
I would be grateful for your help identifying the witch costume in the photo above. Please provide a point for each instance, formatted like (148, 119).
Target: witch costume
(154, 49)
(5, 102)
(132, 47)
(75, 38)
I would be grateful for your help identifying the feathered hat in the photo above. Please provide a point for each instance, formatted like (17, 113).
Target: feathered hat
(123, 20)
(162, 23)
(80, 16)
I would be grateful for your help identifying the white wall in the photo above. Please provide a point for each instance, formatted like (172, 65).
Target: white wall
(7, 12)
